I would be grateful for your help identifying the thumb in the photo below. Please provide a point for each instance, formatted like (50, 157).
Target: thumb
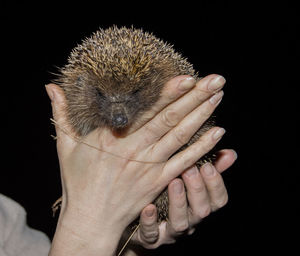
(149, 232)
(64, 131)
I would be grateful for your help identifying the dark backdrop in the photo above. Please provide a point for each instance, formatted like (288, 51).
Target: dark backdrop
(254, 47)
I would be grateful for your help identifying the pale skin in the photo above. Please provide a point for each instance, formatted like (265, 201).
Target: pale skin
(206, 193)
(103, 192)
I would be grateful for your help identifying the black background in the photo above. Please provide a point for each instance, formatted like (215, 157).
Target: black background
(253, 46)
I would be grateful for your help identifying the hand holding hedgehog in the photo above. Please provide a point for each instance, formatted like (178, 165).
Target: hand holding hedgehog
(103, 193)
(205, 193)
(115, 77)
(113, 106)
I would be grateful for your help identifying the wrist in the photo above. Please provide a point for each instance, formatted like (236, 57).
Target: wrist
(78, 233)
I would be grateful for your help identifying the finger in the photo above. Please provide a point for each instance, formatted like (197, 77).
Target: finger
(148, 230)
(176, 111)
(225, 158)
(183, 132)
(163, 238)
(215, 186)
(172, 90)
(199, 201)
(186, 158)
(178, 215)
(64, 132)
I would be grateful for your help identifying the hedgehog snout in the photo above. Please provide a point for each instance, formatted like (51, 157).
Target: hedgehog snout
(119, 117)
(119, 120)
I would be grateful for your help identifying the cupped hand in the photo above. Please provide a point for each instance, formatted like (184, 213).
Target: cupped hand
(205, 193)
(107, 180)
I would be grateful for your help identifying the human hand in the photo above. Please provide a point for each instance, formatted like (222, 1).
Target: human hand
(104, 190)
(205, 193)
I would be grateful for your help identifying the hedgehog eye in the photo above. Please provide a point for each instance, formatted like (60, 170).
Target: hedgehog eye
(137, 91)
(100, 94)
(79, 80)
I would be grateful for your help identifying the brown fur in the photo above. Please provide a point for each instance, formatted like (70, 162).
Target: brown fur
(116, 75)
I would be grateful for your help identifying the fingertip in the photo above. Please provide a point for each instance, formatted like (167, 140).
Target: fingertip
(225, 158)
(176, 186)
(208, 170)
(64, 132)
(235, 155)
(149, 214)
(55, 93)
(211, 83)
(49, 91)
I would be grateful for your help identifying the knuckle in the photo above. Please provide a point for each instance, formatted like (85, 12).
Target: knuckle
(201, 212)
(152, 128)
(181, 203)
(196, 97)
(170, 118)
(193, 153)
(186, 161)
(198, 188)
(187, 158)
(220, 203)
(173, 95)
(181, 227)
(204, 212)
(206, 113)
(150, 237)
(223, 201)
(205, 145)
(199, 94)
(216, 184)
(181, 136)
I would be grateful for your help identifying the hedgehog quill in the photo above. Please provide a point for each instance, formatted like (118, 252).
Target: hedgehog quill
(115, 76)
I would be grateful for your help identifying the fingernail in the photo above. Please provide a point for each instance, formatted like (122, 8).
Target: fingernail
(219, 133)
(191, 171)
(216, 83)
(235, 154)
(216, 99)
(186, 83)
(49, 92)
(149, 212)
(208, 169)
(178, 187)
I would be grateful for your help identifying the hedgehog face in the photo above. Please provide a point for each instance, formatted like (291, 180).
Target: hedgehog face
(118, 109)
(120, 103)
(114, 102)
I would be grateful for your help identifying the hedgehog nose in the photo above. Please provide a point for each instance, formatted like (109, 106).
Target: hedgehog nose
(119, 120)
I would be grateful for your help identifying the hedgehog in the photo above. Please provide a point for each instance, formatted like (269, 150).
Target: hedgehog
(115, 76)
